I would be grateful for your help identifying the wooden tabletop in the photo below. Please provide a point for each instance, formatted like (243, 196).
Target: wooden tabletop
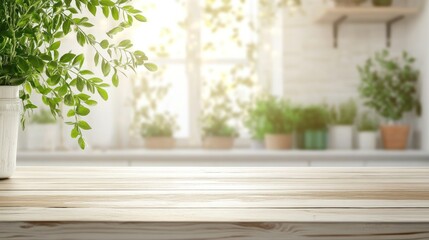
(358, 195)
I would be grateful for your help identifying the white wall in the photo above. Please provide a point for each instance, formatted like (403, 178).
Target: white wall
(417, 37)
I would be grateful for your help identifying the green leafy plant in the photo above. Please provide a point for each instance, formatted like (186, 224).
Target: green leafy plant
(160, 125)
(271, 115)
(31, 34)
(220, 111)
(149, 92)
(314, 117)
(388, 85)
(344, 114)
(43, 117)
(367, 123)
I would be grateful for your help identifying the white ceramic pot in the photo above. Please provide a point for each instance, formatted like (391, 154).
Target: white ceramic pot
(42, 137)
(341, 137)
(367, 140)
(9, 123)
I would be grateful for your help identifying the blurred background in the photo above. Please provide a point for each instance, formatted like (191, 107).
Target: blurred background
(224, 64)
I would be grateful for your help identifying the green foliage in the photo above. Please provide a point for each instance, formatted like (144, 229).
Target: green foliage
(216, 126)
(43, 117)
(149, 92)
(367, 123)
(220, 109)
(344, 114)
(271, 115)
(160, 125)
(314, 117)
(388, 85)
(31, 33)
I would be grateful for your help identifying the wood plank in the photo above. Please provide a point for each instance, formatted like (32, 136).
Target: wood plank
(275, 184)
(214, 173)
(304, 215)
(216, 198)
(211, 231)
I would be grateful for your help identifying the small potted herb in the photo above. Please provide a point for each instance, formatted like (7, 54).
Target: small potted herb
(312, 127)
(279, 120)
(158, 131)
(254, 122)
(156, 126)
(42, 131)
(220, 115)
(342, 119)
(367, 132)
(388, 86)
(218, 133)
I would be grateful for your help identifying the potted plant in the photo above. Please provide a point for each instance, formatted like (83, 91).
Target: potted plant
(158, 131)
(31, 34)
(342, 118)
(367, 132)
(388, 86)
(156, 126)
(218, 116)
(42, 131)
(349, 3)
(278, 119)
(312, 127)
(382, 3)
(254, 122)
(217, 132)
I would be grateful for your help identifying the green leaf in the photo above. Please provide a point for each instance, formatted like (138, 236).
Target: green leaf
(71, 113)
(82, 111)
(54, 80)
(107, 3)
(74, 133)
(104, 44)
(86, 72)
(81, 143)
(69, 100)
(83, 96)
(124, 43)
(81, 38)
(96, 58)
(114, 31)
(84, 125)
(66, 26)
(115, 13)
(105, 11)
(105, 67)
(103, 93)
(37, 63)
(140, 18)
(30, 106)
(115, 80)
(55, 46)
(63, 90)
(151, 67)
(80, 84)
(67, 57)
(91, 102)
(79, 59)
(92, 9)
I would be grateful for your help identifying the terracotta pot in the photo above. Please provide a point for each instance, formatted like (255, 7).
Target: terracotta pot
(278, 141)
(218, 142)
(395, 137)
(159, 142)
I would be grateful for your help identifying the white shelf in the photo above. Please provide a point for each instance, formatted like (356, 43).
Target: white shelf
(386, 15)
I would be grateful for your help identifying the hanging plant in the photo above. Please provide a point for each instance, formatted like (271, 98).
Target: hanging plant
(31, 33)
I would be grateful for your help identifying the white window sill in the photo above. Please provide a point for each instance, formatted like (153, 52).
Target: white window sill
(230, 158)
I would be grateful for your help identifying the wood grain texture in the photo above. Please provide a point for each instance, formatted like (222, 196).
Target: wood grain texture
(215, 203)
